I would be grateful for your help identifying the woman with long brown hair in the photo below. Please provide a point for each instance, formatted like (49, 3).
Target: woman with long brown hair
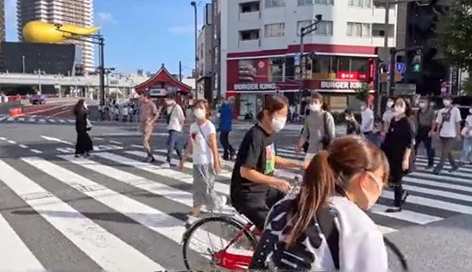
(82, 125)
(324, 226)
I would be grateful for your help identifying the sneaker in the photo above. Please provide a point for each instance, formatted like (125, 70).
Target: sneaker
(166, 165)
(77, 155)
(190, 220)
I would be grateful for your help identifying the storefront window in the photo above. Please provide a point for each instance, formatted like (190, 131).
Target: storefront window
(360, 65)
(289, 68)
(276, 69)
(342, 64)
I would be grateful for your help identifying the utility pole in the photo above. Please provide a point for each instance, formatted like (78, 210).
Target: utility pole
(180, 70)
(194, 4)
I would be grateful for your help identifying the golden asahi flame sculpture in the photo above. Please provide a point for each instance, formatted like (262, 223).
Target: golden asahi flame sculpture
(42, 32)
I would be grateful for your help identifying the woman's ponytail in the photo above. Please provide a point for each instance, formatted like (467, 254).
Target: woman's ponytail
(318, 185)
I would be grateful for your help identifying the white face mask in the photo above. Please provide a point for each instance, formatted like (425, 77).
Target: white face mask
(371, 201)
(390, 104)
(85, 106)
(447, 103)
(199, 113)
(315, 107)
(363, 107)
(423, 105)
(278, 124)
(470, 110)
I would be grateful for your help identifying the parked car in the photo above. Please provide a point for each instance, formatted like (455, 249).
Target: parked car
(38, 99)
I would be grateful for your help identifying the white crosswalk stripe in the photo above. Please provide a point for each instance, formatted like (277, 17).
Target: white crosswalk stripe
(432, 198)
(35, 120)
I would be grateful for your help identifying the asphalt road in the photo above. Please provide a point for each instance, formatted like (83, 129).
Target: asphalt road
(115, 213)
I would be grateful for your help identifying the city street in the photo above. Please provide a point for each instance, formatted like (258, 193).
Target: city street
(114, 212)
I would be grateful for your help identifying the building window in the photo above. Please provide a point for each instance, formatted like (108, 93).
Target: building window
(315, 2)
(358, 29)
(247, 35)
(274, 30)
(276, 69)
(274, 3)
(360, 3)
(325, 28)
(249, 7)
(378, 30)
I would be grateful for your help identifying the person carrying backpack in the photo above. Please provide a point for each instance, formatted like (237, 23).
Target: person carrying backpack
(318, 129)
(175, 120)
(324, 227)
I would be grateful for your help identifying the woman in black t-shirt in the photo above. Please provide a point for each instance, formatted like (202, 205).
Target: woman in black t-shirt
(254, 189)
(397, 146)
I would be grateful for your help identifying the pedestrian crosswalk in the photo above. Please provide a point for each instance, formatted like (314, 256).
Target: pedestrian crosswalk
(114, 212)
(35, 119)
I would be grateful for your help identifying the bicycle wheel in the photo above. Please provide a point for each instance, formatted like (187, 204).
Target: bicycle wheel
(218, 243)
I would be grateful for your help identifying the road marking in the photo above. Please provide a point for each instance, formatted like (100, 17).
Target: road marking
(116, 142)
(52, 139)
(62, 121)
(104, 248)
(11, 119)
(71, 121)
(147, 216)
(132, 134)
(405, 215)
(23, 146)
(98, 138)
(11, 142)
(3, 138)
(65, 149)
(21, 119)
(3, 118)
(173, 174)
(36, 151)
(17, 254)
(42, 120)
(52, 120)
(137, 146)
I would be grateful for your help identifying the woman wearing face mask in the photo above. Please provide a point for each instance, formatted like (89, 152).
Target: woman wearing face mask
(254, 189)
(203, 146)
(387, 116)
(397, 146)
(324, 227)
(318, 129)
(82, 126)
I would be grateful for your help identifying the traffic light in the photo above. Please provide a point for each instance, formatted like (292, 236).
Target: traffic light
(416, 63)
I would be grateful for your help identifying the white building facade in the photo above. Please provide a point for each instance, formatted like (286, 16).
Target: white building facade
(259, 45)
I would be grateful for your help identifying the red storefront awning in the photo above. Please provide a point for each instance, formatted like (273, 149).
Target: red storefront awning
(162, 80)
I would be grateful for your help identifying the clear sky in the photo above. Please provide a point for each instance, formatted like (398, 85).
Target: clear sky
(139, 33)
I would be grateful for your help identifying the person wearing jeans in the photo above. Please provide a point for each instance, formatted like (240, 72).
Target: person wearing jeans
(424, 121)
(175, 120)
(447, 126)
(226, 118)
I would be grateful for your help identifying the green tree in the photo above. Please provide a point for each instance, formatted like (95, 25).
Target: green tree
(455, 34)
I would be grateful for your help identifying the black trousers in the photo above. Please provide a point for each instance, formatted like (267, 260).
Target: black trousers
(256, 206)
(84, 143)
(424, 138)
(228, 149)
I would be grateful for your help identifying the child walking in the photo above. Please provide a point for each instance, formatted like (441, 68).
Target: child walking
(203, 146)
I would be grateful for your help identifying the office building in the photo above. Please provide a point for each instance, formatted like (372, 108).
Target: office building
(78, 12)
(257, 44)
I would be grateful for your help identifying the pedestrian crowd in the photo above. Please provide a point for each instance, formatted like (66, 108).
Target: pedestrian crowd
(324, 225)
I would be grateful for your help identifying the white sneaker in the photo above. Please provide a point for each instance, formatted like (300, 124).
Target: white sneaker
(165, 165)
(190, 220)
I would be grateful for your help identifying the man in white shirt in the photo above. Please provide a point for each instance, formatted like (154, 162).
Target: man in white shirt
(175, 121)
(447, 126)
(367, 121)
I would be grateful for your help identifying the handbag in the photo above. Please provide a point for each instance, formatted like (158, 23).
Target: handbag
(88, 125)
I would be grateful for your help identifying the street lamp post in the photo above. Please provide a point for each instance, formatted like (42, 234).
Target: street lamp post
(194, 5)
(303, 32)
(96, 39)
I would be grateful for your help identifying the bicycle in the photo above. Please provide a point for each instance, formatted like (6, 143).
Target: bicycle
(235, 252)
